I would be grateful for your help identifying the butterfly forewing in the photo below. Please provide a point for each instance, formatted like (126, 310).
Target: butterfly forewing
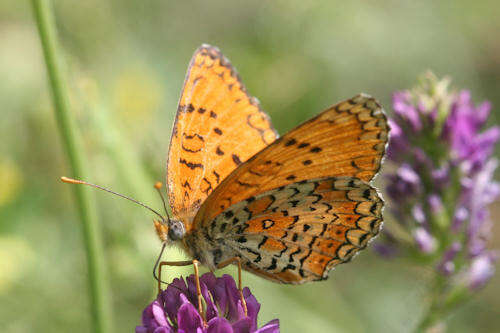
(346, 140)
(218, 126)
(299, 232)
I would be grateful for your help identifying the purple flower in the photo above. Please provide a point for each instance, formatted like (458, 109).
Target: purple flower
(441, 187)
(462, 127)
(418, 214)
(447, 266)
(425, 242)
(404, 183)
(480, 191)
(435, 203)
(176, 309)
(480, 271)
(404, 108)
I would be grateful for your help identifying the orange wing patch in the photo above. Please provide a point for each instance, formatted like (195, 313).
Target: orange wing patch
(348, 139)
(218, 126)
(299, 232)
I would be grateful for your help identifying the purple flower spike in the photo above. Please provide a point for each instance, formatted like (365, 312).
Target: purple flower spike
(440, 188)
(176, 309)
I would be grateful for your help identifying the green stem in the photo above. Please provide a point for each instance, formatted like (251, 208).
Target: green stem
(443, 302)
(100, 306)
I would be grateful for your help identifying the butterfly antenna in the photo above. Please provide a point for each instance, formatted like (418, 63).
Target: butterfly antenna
(158, 187)
(75, 181)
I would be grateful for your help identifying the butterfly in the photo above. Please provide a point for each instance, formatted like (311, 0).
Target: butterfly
(288, 208)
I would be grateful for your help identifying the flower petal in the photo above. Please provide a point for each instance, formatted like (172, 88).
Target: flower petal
(253, 307)
(425, 242)
(188, 318)
(159, 314)
(271, 327)
(219, 325)
(481, 270)
(244, 325)
(163, 330)
(170, 297)
(207, 282)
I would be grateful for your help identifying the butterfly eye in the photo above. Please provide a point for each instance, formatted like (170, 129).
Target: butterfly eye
(176, 230)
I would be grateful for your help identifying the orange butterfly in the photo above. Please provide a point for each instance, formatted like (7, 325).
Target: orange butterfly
(288, 209)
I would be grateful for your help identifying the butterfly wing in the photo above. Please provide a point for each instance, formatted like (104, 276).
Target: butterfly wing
(217, 127)
(346, 140)
(299, 232)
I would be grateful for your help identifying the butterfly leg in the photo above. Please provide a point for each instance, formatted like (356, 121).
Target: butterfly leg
(236, 260)
(195, 264)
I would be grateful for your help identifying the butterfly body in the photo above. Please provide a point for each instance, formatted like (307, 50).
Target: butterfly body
(290, 208)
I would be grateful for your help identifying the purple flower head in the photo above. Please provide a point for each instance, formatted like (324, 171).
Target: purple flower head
(440, 188)
(176, 309)
(442, 181)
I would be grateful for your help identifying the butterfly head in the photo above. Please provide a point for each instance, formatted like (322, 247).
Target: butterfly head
(173, 231)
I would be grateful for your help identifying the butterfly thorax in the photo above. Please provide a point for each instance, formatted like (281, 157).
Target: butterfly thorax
(199, 245)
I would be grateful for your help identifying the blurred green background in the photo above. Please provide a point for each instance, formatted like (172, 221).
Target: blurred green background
(125, 62)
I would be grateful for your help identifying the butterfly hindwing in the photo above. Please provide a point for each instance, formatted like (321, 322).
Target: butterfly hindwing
(299, 232)
(346, 140)
(218, 126)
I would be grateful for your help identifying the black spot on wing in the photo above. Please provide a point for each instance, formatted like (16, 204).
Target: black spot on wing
(218, 151)
(217, 177)
(264, 240)
(190, 150)
(303, 145)
(191, 165)
(236, 159)
(273, 265)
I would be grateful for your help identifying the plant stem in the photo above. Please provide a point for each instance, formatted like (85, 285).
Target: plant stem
(100, 306)
(436, 311)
